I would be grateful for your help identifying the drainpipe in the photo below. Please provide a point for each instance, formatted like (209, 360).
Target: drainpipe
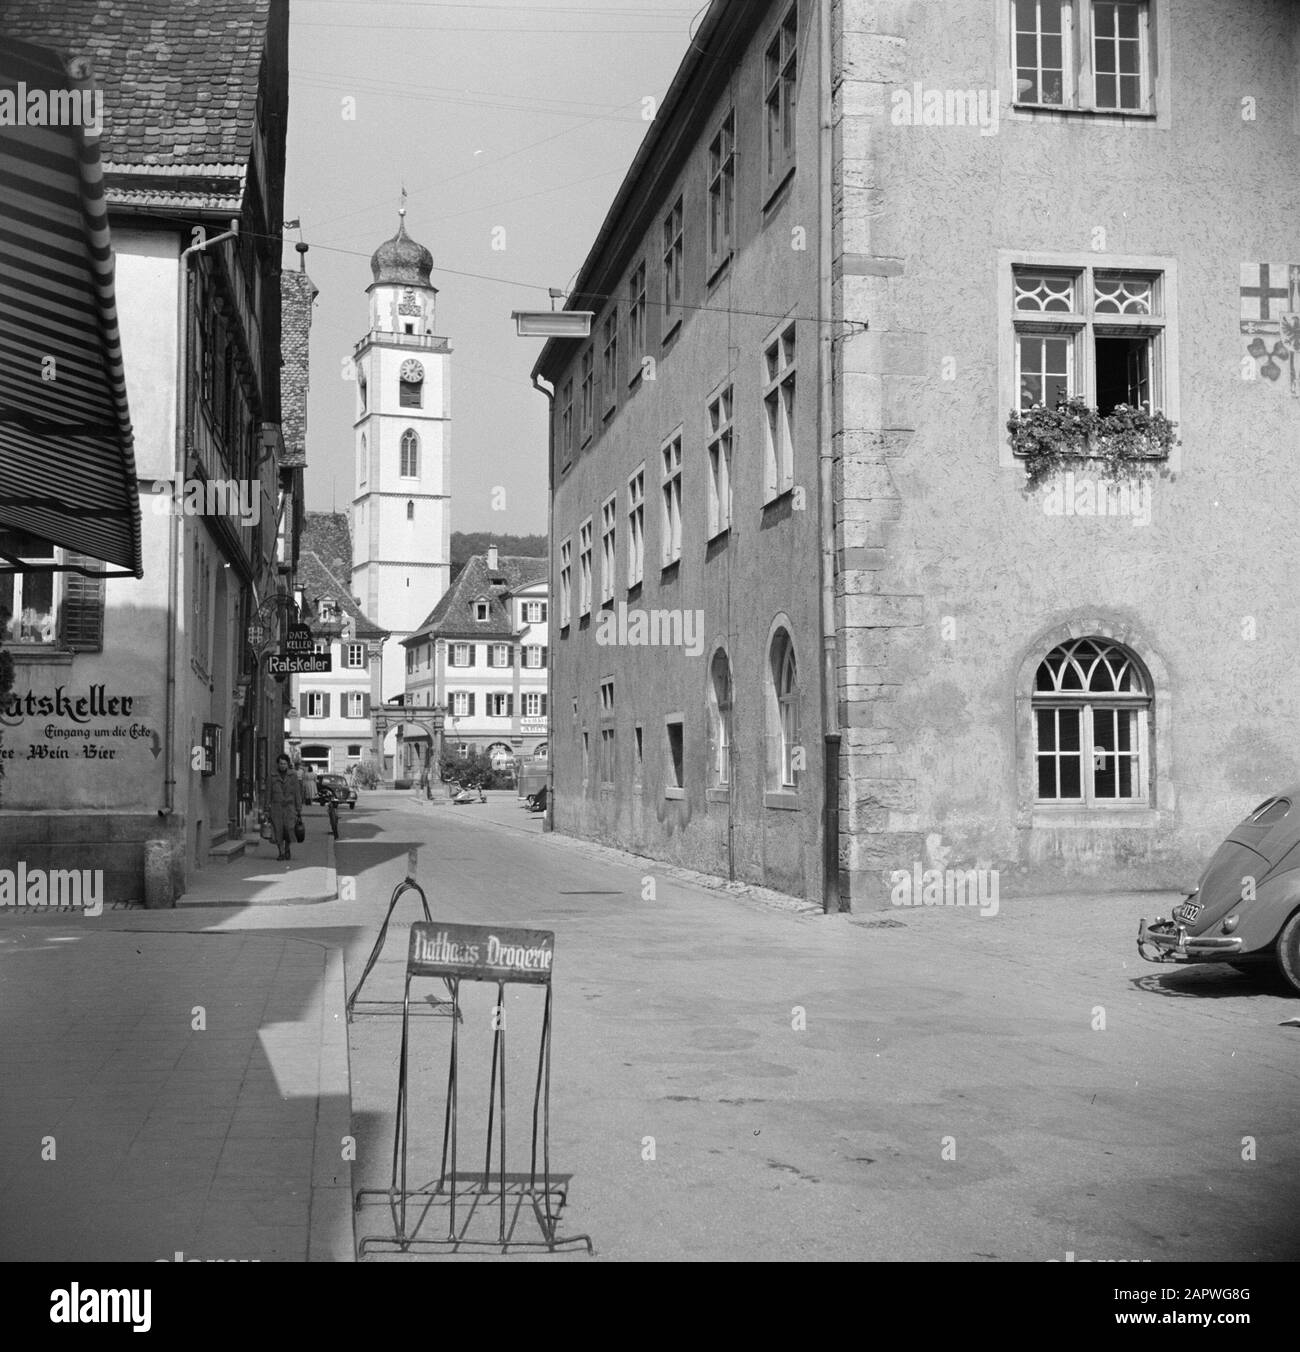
(548, 821)
(831, 900)
(173, 522)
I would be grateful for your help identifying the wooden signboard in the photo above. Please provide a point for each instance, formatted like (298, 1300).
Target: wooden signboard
(481, 953)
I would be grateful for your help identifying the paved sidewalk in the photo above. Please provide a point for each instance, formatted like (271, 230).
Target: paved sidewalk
(257, 878)
(168, 1091)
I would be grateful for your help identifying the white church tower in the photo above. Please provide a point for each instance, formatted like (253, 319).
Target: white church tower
(401, 529)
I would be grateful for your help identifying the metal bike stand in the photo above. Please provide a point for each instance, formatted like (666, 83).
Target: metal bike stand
(376, 1008)
(448, 1184)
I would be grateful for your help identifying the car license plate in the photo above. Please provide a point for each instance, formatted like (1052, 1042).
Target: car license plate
(1186, 913)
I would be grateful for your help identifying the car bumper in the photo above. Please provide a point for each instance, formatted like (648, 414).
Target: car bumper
(1171, 943)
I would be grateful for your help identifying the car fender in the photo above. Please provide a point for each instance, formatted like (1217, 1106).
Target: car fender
(1262, 918)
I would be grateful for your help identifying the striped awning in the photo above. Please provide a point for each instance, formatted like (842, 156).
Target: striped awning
(67, 470)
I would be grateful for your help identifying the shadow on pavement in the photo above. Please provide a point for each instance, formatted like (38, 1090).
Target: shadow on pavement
(1214, 981)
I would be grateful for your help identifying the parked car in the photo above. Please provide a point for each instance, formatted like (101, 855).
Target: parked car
(337, 788)
(1246, 907)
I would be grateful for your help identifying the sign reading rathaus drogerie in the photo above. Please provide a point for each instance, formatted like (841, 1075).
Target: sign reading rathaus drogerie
(299, 655)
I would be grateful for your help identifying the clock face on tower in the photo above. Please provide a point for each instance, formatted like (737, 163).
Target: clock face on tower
(412, 371)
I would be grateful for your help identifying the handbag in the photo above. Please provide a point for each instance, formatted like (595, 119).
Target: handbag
(268, 831)
(299, 831)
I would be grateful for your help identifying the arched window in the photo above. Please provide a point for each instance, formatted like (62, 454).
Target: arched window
(1092, 705)
(410, 454)
(410, 509)
(785, 756)
(720, 718)
(361, 461)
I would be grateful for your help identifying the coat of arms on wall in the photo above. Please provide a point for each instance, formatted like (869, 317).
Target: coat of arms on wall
(1270, 321)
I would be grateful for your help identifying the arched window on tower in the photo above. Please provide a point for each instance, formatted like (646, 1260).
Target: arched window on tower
(361, 461)
(410, 454)
(410, 509)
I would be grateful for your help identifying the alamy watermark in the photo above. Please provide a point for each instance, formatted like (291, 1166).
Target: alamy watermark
(921, 107)
(636, 628)
(42, 889)
(24, 107)
(1080, 495)
(945, 887)
(209, 497)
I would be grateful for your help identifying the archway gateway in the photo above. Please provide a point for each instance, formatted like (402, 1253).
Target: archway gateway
(429, 720)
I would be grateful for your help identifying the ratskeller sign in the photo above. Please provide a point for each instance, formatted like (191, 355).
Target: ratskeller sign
(299, 655)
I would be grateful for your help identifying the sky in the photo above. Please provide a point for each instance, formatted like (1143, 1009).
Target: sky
(509, 125)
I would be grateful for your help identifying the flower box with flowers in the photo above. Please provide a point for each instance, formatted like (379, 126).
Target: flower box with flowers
(1127, 442)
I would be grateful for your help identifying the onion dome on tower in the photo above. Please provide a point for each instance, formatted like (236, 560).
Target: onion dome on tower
(400, 261)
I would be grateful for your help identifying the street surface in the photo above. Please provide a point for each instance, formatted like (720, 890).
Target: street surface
(735, 1076)
(1090, 1104)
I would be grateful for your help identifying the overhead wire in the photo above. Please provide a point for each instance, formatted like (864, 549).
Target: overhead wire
(857, 324)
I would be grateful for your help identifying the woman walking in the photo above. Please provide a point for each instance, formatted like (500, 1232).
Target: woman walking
(283, 804)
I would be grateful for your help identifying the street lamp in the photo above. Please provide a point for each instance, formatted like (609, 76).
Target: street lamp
(553, 323)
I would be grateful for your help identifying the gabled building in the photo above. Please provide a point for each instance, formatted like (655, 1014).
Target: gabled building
(482, 657)
(165, 772)
(329, 725)
(825, 622)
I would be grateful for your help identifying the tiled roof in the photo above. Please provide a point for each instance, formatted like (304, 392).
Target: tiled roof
(325, 567)
(454, 613)
(296, 296)
(329, 537)
(179, 77)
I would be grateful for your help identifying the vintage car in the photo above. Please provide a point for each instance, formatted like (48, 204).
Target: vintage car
(1246, 907)
(337, 788)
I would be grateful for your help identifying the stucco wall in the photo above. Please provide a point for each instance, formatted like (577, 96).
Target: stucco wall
(767, 567)
(956, 582)
(135, 611)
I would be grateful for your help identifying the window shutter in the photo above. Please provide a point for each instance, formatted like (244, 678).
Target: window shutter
(471, 704)
(510, 706)
(81, 619)
(365, 706)
(304, 704)
(471, 646)
(544, 653)
(543, 706)
(325, 705)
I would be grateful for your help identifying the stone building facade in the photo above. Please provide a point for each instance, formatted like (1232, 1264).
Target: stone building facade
(482, 657)
(984, 209)
(151, 744)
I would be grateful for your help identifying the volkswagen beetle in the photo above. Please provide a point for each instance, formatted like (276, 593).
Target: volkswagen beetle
(1246, 906)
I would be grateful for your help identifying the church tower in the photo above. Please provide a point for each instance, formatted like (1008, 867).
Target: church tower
(401, 530)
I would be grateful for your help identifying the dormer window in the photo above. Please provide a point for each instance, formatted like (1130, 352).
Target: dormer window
(482, 609)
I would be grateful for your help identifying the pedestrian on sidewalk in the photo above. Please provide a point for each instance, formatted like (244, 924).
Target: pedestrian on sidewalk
(284, 804)
(310, 790)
